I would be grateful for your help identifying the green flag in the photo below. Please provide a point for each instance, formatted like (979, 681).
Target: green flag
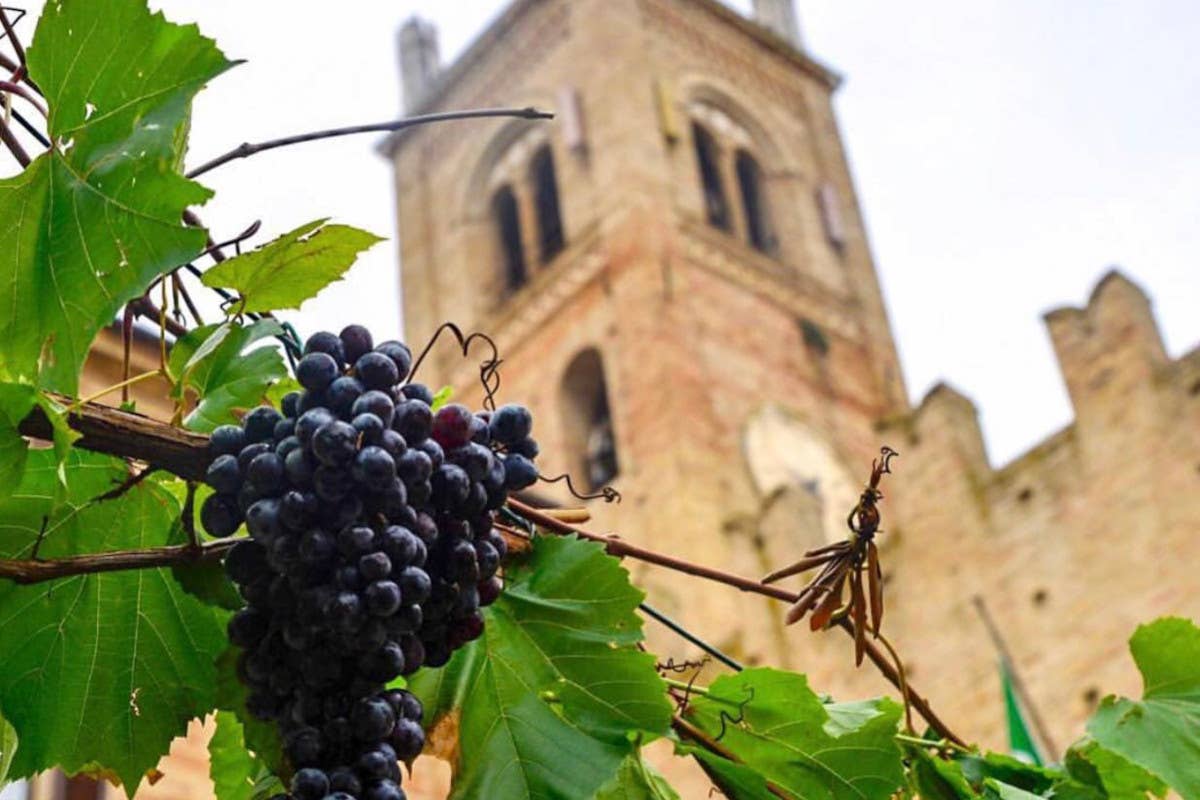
(1020, 741)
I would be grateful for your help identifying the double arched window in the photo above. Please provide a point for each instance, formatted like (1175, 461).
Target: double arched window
(531, 193)
(587, 419)
(724, 152)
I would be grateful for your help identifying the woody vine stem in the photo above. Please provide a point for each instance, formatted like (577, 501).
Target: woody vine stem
(162, 446)
(168, 448)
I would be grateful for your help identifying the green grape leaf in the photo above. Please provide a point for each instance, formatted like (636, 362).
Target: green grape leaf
(237, 772)
(935, 778)
(1160, 732)
(999, 790)
(839, 751)
(291, 269)
(16, 401)
(546, 703)
(262, 738)
(224, 375)
(736, 781)
(98, 671)
(1091, 764)
(978, 768)
(637, 780)
(8, 749)
(89, 224)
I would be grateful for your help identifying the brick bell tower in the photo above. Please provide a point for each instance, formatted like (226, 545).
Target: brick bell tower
(675, 271)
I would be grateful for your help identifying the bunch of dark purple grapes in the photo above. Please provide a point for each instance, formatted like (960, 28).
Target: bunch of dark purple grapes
(371, 552)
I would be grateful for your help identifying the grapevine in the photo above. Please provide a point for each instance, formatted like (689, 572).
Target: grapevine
(351, 570)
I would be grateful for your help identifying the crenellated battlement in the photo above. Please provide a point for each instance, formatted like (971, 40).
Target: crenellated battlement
(1109, 348)
(1116, 368)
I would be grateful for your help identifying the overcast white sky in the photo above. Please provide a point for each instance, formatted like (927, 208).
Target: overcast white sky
(1007, 152)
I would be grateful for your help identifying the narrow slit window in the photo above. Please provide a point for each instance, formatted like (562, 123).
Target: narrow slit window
(545, 195)
(754, 205)
(716, 209)
(508, 231)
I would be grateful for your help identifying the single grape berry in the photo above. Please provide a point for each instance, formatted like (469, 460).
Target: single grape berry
(418, 391)
(374, 468)
(407, 739)
(245, 561)
(400, 355)
(342, 393)
(527, 447)
(377, 403)
(220, 515)
(435, 452)
(519, 472)
(310, 785)
(265, 473)
(259, 424)
(250, 452)
(452, 425)
(414, 467)
(510, 424)
(316, 371)
(344, 780)
(223, 474)
(290, 404)
(384, 790)
(226, 440)
(310, 421)
(373, 718)
(413, 419)
(335, 443)
(326, 342)
(382, 598)
(370, 428)
(356, 342)
(262, 519)
(375, 566)
(414, 584)
(355, 541)
(376, 371)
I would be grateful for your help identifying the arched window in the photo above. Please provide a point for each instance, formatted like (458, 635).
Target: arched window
(545, 198)
(716, 209)
(754, 205)
(587, 420)
(508, 234)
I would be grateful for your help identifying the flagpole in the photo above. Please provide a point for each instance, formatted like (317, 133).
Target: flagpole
(1015, 677)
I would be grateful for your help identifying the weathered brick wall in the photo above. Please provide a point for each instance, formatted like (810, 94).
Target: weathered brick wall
(739, 444)
(1070, 546)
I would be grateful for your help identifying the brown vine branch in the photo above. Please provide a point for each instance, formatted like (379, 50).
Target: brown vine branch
(20, 91)
(18, 48)
(618, 547)
(38, 570)
(146, 308)
(247, 149)
(121, 433)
